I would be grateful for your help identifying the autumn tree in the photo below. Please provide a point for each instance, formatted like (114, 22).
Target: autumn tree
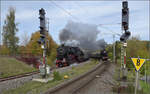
(10, 40)
(34, 48)
(137, 48)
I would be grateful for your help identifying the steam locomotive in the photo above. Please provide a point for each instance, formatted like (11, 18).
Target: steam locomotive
(100, 56)
(104, 55)
(67, 55)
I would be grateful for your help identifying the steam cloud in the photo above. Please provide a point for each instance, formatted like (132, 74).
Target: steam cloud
(81, 35)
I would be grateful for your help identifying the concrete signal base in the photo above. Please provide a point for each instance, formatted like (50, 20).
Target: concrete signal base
(43, 80)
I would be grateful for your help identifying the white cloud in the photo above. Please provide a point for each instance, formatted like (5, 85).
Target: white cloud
(26, 15)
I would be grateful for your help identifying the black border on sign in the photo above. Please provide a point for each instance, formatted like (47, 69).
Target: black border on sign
(135, 65)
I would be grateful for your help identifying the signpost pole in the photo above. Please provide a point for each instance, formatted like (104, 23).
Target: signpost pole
(136, 82)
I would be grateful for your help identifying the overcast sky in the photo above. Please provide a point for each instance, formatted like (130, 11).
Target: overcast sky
(91, 12)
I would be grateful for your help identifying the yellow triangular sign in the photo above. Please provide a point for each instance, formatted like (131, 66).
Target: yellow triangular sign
(138, 62)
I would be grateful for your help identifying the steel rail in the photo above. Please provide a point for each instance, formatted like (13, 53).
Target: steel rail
(18, 76)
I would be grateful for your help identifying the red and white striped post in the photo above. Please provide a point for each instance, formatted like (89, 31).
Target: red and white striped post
(125, 45)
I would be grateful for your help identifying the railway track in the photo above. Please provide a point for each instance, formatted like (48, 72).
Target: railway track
(73, 85)
(18, 76)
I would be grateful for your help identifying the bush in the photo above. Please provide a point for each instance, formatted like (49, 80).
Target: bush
(57, 76)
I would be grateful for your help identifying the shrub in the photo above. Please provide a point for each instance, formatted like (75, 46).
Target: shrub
(57, 76)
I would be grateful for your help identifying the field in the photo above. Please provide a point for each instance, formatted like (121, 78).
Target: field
(11, 66)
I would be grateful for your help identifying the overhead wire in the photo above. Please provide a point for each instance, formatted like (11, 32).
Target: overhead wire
(100, 25)
(104, 24)
(65, 11)
(110, 30)
(86, 11)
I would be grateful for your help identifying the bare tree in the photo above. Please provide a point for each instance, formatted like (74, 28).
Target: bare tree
(25, 38)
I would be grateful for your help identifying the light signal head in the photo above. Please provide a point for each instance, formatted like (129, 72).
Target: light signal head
(127, 33)
(125, 18)
(42, 21)
(42, 26)
(125, 4)
(125, 36)
(41, 11)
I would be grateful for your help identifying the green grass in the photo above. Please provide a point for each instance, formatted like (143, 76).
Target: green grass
(37, 87)
(33, 87)
(57, 75)
(79, 70)
(145, 87)
(11, 66)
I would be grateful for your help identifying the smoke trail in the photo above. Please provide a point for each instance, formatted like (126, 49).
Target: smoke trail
(82, 35)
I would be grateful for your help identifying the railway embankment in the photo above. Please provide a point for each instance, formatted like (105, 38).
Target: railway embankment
(10, 66)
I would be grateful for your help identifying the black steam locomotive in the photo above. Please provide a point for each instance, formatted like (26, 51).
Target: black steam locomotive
(67, 55)
(100, 56)
(104, 55)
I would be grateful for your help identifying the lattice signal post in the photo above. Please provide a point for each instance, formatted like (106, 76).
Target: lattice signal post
(125, 35)
(42, 39)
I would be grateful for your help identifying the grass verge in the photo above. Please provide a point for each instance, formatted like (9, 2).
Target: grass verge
(37, 87)
(11, 66)
(145, 87)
